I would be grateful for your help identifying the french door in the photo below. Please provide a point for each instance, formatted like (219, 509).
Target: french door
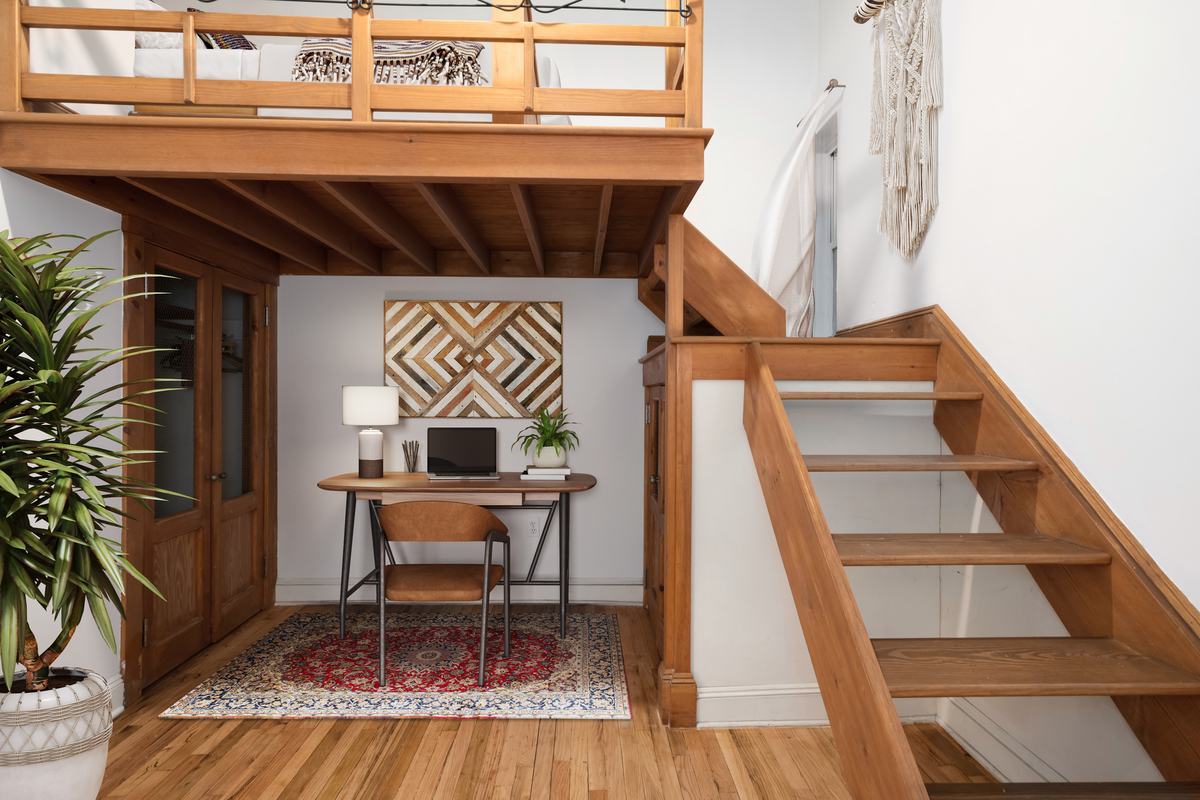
(202, 545)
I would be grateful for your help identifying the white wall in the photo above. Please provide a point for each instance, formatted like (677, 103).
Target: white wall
(331, 334)
(749, 656)
(1062, 248)
(28, 209)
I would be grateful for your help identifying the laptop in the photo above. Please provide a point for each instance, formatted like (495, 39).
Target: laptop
(457, 454)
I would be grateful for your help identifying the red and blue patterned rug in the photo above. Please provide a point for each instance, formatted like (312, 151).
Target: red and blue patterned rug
(302, 670)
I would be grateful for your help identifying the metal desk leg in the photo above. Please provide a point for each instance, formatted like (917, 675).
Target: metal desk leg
(347, 543)
(564, 559)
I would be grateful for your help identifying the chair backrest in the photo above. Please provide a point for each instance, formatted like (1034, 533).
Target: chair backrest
(437, 521)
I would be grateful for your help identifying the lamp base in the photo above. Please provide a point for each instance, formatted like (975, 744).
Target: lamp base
(370, 453)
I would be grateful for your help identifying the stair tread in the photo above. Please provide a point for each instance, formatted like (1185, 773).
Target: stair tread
(1059, 791)
(916, 463)
(899, 549)
(1025, 667)
(881, 395)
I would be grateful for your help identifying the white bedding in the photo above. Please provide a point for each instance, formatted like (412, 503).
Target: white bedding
(221, 65)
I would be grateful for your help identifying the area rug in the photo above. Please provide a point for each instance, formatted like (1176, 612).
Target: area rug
(302, 670)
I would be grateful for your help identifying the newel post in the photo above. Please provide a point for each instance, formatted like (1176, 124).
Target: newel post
(362, 76)
(14, 55)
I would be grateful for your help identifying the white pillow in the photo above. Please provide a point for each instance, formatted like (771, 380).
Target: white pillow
(156, 40)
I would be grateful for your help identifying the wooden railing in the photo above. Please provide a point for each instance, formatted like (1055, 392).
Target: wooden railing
(876, 758)
(679, 101)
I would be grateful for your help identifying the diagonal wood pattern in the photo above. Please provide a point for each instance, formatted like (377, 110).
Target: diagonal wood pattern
(474, 359)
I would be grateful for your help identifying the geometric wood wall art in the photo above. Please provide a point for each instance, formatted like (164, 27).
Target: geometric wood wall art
(463, 359)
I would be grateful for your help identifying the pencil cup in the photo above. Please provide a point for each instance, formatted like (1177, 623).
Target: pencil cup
(411, 450)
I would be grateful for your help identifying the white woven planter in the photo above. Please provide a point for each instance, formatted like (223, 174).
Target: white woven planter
(54, 744)
(547, 458)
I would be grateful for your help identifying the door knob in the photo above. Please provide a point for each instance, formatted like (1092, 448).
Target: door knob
(219, 477)
(654, 479)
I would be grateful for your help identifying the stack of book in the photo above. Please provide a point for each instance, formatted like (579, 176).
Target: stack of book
(545, 473)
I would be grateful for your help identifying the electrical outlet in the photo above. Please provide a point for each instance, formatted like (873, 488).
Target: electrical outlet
(533, 528)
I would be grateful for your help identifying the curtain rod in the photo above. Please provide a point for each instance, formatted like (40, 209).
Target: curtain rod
(683, 11)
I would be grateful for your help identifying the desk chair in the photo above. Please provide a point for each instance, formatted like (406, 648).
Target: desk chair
(441, 583)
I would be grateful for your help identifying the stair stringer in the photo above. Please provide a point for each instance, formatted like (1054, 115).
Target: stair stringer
(1131, 599)
(716, 291)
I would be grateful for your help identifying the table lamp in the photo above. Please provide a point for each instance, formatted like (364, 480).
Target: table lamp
(370, 406)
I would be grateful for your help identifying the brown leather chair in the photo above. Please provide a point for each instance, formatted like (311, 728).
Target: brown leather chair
(441, 583)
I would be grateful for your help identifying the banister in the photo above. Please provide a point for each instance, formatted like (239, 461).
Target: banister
(678, 102)
(876, 758)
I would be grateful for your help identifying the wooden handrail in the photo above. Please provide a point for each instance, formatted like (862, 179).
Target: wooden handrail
(679, 100)
(876, 758)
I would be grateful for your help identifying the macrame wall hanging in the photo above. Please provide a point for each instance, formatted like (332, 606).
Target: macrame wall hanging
(905, 98)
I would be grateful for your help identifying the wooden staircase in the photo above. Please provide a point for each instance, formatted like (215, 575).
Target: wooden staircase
(1133, 636)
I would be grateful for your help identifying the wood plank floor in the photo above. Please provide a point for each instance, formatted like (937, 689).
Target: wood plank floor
(479, 759)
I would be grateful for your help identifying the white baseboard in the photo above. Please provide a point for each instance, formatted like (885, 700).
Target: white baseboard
(116, 685)
(790, 704)
(991, 745)
(597, 591)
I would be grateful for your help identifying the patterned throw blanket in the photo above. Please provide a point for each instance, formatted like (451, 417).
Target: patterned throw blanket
(418, 61)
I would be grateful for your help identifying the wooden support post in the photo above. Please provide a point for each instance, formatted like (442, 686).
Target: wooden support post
(508, 67)
(189, 59)
(362, 76)
(693, 69)
(677, 685)
(602, 227)
(14, 47)
(674, 60)
(529, 65)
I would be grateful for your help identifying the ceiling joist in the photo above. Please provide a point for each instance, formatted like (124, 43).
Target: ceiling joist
(362, 200)
(444, 202)
(524, 200)
(602, 227)
(291, 205)
(666, 202)
(217, 205)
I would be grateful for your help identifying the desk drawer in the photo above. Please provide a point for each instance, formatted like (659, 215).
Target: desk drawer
(474, 498)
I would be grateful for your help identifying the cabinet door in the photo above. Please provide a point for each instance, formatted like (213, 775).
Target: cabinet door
(204, 544)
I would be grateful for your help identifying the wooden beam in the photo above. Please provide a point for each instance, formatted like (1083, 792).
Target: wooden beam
(444, 202)
(693, 71)
(720, 358)
(103, 19)
(368, 205)
(524, 200)
(341, 150)
(292, 205)
(116, 195)
(606, 194)
(213, 203)
(877, 761)
(517, 264)
(658, 223)
(676, 232)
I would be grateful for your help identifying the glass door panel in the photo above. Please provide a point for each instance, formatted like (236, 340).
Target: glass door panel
(237, 383)
(175, 369)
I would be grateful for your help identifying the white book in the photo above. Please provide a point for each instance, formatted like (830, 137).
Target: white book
(548, 470)
(525, 476)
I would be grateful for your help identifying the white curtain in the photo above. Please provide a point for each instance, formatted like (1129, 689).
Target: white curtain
(785, 243)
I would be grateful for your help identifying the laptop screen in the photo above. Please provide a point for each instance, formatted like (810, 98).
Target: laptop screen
(465, 451)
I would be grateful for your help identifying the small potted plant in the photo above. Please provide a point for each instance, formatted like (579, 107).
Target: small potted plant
(549, 438)
(61, 483)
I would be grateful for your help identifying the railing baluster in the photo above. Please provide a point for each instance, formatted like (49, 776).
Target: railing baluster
(14, 51)
(189, 58)
(362, 75)
(693, 71)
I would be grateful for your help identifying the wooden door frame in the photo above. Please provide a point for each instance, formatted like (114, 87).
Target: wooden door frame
(142, 241)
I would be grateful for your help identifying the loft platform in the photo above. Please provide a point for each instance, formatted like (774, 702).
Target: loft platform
(368, 195)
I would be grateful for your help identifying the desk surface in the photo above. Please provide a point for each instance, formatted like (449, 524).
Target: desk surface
(510, 482)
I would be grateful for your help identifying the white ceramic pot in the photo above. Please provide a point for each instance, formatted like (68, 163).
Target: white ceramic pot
(54, 744)
(547, 458)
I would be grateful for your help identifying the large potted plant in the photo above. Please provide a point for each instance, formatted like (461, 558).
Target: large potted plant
(61, 483)
(549, 438)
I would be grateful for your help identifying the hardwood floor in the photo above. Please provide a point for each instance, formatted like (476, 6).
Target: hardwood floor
(478, 759)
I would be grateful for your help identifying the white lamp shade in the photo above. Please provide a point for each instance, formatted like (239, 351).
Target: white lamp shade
(370, 405)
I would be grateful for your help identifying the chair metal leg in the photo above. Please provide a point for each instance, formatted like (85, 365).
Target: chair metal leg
(483, 626)
(381, 598)
(507, 602)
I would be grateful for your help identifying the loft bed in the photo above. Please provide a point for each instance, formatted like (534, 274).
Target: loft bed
(367, 194)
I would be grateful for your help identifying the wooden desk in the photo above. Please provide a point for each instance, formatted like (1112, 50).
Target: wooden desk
(507, 492)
